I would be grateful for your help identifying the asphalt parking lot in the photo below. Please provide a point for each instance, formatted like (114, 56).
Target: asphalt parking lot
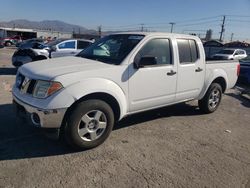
(176, 146)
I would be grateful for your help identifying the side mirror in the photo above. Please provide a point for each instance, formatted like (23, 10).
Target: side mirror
(145, 61)
(236, 54)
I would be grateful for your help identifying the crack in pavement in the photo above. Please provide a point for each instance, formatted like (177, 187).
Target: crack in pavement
(134, 170)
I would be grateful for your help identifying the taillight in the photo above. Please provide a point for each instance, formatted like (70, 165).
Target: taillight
(238, 69)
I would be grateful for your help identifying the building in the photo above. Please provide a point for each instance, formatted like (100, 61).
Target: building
(25, 33)
(32, 33)
(53, 34)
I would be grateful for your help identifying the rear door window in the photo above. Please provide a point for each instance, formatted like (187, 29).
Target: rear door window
(241, 52)
(194, 50)
(82, 44)
(188, 51)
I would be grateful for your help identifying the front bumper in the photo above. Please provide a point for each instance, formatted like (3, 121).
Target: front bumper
(44, 118)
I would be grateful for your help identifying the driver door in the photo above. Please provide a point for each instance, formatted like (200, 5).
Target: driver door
(154, 84)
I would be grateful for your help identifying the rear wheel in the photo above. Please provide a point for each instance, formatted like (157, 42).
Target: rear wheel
(89, 124)
(210, 102)
(7, 43)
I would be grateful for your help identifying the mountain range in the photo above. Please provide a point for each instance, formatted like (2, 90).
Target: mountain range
(54, 25)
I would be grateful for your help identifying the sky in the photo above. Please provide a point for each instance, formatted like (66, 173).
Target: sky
(190, 16)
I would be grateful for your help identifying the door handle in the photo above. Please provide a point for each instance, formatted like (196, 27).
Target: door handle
(73, 52)
(171, 73)
(198, 69)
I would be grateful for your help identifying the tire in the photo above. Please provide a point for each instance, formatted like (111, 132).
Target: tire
(89, 124)
(211, 101)
(8, 44)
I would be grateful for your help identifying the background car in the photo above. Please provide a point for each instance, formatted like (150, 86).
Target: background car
(28, 43)
(230, 54)
(69, 47)
(38, 51)
(244, 76)
(11, 40)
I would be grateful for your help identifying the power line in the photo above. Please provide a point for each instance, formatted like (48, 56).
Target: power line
(198, 23)
(243, 16)
(213, 22)
(232, 20)
(164, 23)
(199, 19)
(165, 26)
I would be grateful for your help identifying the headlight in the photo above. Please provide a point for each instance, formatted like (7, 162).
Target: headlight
(44, 89)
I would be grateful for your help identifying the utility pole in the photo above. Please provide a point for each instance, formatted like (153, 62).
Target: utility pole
(142, 27)
(172, 26)
(100, 31)
(232, 35)
(222, 27)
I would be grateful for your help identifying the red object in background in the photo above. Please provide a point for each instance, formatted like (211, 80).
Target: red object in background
(238, 69)
(8, 41)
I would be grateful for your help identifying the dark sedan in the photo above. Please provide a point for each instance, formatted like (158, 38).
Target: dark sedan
(244, 76)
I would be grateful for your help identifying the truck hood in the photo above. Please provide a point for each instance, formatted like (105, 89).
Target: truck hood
(52, 68)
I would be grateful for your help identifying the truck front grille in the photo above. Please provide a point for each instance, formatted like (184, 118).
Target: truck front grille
(24, 84)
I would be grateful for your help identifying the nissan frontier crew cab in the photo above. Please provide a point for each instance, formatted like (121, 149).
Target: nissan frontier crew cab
(121, 74)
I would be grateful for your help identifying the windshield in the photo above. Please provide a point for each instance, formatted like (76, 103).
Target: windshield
(112, 49)
(226, 52)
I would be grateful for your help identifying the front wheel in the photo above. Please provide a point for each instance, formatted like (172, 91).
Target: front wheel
(210, 102)
(89, 124)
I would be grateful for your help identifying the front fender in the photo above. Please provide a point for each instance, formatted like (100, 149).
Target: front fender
(99, 85)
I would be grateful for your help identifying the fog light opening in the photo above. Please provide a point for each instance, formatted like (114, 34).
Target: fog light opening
(35, 119)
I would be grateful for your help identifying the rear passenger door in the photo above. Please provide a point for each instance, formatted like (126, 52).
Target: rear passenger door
(191, 70)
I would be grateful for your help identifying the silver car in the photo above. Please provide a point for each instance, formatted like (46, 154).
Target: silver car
(69, 47)
(58, 48)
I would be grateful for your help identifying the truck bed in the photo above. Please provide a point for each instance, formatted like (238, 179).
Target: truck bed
(226, 67)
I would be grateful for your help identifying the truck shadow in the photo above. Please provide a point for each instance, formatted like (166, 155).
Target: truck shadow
(182, 109)
(20, 141)
(244, 101)
(8, 71)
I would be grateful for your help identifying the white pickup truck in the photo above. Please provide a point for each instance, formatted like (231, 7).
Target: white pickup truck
(121, 74)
